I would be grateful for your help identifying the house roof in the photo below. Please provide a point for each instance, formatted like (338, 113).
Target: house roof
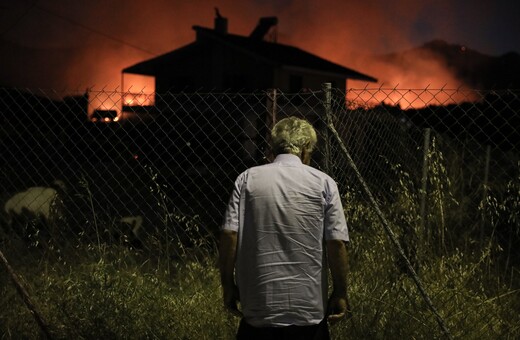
(276, 54)
(152, 67)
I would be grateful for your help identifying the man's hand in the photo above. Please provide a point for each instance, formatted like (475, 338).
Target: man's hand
(231, 298)
(337, 309)
(227, 256)
(337, 256)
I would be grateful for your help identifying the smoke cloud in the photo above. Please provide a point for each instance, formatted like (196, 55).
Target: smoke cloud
(81, 44)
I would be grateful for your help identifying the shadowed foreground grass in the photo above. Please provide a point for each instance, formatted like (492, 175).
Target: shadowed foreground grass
(117, 297)
(107, 298)
(112, 292)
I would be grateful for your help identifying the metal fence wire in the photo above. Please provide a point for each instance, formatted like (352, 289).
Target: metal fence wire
(443, 165)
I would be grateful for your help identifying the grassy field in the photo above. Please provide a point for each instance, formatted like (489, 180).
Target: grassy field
(117, 293)
(110, 291)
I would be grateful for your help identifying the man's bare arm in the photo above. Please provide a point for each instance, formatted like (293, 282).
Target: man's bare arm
(337, 258)
(227, 257)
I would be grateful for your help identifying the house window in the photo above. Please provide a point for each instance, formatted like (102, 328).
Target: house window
(295, 83)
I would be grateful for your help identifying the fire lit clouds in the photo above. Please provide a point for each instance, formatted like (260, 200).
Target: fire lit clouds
(95, 40)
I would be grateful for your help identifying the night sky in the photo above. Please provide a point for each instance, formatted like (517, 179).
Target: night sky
(79, 44)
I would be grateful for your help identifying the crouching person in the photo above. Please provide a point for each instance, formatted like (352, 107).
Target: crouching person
(283, 224)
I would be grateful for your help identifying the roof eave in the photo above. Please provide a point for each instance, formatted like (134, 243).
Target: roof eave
(140, 68)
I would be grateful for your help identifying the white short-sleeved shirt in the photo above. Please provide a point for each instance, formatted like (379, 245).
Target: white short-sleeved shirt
(283, 212)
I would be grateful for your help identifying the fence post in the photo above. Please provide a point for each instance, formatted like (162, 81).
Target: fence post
(269, 122)
(326, 87)
(485, 191)
(273, 109)
(424, 180)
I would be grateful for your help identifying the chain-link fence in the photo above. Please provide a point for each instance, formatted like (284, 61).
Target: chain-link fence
(148, 185)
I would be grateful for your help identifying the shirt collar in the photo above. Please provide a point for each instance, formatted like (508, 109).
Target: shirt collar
(287, 158)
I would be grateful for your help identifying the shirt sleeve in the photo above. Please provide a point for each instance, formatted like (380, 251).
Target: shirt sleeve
(334, 221)
(232, 214)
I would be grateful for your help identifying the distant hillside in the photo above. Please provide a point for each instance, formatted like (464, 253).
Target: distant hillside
(477, 70)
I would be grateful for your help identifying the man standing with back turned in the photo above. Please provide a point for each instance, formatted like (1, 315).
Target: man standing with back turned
(283, 223)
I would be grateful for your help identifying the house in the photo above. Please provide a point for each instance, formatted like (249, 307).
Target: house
(218, 60)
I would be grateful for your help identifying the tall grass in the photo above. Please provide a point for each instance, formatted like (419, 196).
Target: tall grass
(102, 290)
(112, 298)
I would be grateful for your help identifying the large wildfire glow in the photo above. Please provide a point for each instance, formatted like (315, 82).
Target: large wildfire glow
(420, 81)
(92, 53)
(407, 98)
(423, 81)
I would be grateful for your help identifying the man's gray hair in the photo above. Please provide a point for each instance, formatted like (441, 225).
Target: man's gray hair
(293, 135)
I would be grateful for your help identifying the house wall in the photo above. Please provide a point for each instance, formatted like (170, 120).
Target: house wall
(237, 70)
(188, 76)
(286, 80)
(215, 67)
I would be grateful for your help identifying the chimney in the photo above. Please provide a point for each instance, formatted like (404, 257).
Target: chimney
(220, 23)
(263, 27)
